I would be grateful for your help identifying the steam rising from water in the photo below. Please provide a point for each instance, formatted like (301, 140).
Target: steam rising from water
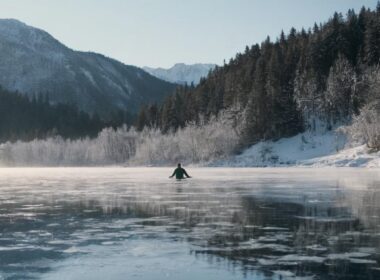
(98, 223)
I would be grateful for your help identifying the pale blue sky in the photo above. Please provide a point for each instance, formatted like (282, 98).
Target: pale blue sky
(163, 32)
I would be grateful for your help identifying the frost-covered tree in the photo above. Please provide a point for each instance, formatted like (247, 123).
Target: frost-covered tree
(369, 86)
(195, 143)
(366, 127)
(309, 98)
(340, 92)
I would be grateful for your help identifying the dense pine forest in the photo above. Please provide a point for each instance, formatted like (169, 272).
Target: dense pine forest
(325, 74)
(25, 119)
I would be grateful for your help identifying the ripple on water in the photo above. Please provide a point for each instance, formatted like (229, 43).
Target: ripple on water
(271, 223)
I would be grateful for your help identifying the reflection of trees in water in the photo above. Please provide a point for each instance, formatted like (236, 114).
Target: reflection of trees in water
(253, 233)
(274, 229)
(221, 229)
(366, 206)
(328, 230)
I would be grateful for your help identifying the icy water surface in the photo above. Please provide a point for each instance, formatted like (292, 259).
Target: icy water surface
(129, 223)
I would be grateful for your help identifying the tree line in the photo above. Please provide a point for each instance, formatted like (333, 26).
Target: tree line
(25, 119)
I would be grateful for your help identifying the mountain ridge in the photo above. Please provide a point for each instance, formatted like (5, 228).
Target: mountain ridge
(33, 62)
(182, 73)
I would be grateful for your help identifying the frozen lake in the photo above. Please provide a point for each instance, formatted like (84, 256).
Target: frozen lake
(135, 223)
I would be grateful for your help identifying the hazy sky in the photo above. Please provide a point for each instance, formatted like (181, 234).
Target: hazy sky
(163, 32)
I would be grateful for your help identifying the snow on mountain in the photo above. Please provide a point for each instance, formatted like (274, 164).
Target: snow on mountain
(321, 149)
(32, 62)
(182, 73)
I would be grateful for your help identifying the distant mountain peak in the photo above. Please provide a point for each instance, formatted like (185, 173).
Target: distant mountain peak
(12, 21)
(182, 73)
(15, 31)
(14, 26)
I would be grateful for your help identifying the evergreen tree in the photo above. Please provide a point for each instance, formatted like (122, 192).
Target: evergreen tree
(340, 93)
(142, 119)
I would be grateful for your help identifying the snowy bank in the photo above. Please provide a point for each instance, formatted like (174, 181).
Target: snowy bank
(305, 149)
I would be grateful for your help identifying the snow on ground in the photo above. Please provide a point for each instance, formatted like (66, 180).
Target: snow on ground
(305, 149)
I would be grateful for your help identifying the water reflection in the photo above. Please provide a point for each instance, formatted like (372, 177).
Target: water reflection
(261, 224)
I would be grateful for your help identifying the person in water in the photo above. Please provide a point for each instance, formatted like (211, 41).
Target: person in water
(179, 173)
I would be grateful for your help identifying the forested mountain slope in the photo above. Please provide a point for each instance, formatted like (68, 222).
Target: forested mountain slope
(322, 75)
(32, 62)
(22, 119)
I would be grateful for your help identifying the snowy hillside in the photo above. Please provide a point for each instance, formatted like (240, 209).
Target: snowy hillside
(305, 149)
(182, 73)
(33, 62)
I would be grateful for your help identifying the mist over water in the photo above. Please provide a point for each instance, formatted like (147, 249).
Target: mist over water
(224, 223)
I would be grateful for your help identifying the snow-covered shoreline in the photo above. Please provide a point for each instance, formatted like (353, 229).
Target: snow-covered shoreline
(328, 149)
